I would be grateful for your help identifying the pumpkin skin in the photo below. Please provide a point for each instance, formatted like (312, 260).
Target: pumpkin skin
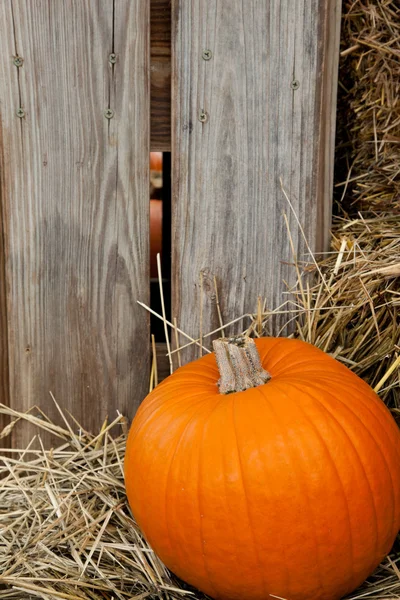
(156, 215)
(289, 489)
(156, 161)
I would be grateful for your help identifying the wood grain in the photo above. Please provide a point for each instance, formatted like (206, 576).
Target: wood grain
(76, 209)
(269, 94)
(4, 373)
(325, 116)
(160, 79)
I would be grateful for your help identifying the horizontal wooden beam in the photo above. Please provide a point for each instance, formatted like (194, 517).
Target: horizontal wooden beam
(160, 77)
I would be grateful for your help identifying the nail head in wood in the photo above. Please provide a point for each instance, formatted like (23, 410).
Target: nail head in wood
(203, 116)
(108, 113)
(18, 61)
(112, 58)
(207, 54)
(20, 113)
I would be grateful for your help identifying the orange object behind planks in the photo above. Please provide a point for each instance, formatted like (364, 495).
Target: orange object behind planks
(156, 212)
(156, 161)
(289, 489)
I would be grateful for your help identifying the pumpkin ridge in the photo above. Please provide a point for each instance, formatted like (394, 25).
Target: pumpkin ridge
(195, 379)
(309, 503)
(242, 477)
(290, 366)
(144, 421)
(187, 378)
(205, 362)
(267, 347)
(227, 504)
(385, 414)
(304, 491)
(201, 446)
(299, 368)
(359, 458)
(270, 409)
(167, 479)
(383, 409)
(281, 344)
(382, 454)
(179, 384)
(206, 419)
(162, 408)
(132, 440)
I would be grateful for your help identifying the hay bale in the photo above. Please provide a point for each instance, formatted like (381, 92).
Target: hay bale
(368, 128)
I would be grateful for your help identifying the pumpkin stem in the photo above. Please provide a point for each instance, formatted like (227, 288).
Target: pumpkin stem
(239, 364)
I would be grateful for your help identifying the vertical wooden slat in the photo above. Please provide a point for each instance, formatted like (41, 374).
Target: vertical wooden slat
(160, 79)
(325, 116)
(76, 204)
(4, 373)
(270, 116)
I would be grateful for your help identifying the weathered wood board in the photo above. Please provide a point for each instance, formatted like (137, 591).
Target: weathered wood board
(75, 204)
(256, 109)
(4, 379)
(160, 78)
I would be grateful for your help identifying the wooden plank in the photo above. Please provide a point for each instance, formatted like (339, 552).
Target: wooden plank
(160, 98)
(326, 117)
(4, 374)
(76, 209)
(269, 95)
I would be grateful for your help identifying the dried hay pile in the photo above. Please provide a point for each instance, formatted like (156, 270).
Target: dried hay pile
(66, 531)
(65, 528)
(368, 152)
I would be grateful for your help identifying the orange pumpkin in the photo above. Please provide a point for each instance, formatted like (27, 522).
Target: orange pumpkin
(156, 161)
(156, 213)
(291, 488)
